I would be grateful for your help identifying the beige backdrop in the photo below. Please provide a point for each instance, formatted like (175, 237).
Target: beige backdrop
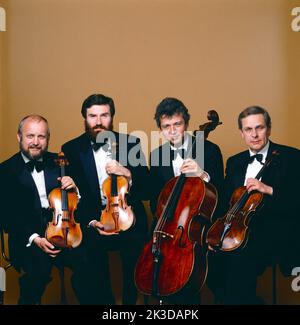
(222, 54)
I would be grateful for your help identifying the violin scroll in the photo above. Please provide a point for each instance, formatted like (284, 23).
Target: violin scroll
(61, 160)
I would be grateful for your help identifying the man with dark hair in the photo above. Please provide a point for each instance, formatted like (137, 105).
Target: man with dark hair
(271, 238)
(29, 176)
(172, 118)
(176, 157)
(90, 165)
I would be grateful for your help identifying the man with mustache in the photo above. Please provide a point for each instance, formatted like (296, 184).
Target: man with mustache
(29, 176)
(90, 165)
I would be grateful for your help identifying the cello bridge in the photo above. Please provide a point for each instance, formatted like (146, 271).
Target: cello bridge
(164, 234)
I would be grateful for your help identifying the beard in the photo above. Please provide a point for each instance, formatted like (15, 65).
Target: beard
(91, 131)
(33, 155)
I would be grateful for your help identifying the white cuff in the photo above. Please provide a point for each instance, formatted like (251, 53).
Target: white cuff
(205, 177)
(78, 194)
(31, 239)
(91, 223)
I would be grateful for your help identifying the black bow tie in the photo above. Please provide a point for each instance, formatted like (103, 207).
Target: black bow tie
(258, 157)
(97, 145)
(181, 152)
(38, 165)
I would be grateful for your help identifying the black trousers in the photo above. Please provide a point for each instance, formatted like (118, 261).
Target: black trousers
(233, 279)
(36, 267)
(129, 244)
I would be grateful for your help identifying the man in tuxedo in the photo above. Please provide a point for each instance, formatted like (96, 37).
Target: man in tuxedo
(90, 164)
(176, 157)
(29, 176)
(273, 224)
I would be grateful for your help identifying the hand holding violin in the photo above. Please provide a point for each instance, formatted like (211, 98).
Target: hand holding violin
(117, 215)
(46, 246)
(253, 184)
(114, 167)
(67, 183)
(63, 231)
(100, 228)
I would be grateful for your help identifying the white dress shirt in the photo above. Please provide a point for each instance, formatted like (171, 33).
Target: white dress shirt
(254, 168)
(102, 157)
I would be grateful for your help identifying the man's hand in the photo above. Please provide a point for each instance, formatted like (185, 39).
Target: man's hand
(114, 167)
(100, 228)
(67, 183)
(46, 246)
(190, 166)
(253, 184)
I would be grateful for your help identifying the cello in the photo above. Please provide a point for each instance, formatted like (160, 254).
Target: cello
(232, 231)
(63, 231)
(175, 260)
(117, 215)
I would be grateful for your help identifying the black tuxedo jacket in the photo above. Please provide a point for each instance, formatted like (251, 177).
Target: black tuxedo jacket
(22, 211)
(272, 228)
(82, 169)
(160, 175)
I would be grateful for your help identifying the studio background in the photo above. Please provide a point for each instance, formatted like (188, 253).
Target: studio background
(221, 54)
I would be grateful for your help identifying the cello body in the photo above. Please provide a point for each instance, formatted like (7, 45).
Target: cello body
(176, 258)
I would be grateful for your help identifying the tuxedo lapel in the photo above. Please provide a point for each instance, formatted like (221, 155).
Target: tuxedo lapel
(271, 172)
(51, 172)
(241, 169)
(168, 172)
(25, 179)
(89, 165)
(166, 169)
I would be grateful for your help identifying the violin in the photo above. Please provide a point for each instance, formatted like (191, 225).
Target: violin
(232, 231)
(117, 215)
(175, 260)
(63, 231)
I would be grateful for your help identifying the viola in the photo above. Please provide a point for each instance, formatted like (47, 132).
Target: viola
(117, 215)
(175, 260)
(232, 231)
(63, 231)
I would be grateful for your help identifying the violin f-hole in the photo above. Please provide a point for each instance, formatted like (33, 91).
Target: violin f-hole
(181, 229)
